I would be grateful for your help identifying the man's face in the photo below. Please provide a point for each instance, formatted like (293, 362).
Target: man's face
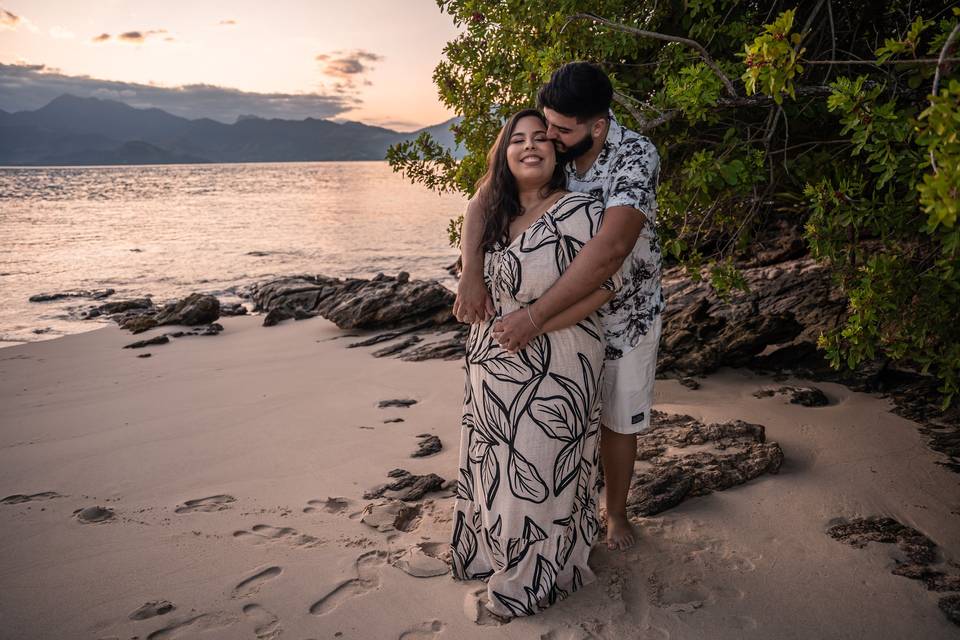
(572, 138)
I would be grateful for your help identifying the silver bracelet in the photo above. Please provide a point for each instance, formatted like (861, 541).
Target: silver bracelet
(529, 315)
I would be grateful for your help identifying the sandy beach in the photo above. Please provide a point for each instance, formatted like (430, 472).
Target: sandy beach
(215, 490)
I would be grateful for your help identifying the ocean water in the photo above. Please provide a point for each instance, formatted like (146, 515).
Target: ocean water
(172, 230)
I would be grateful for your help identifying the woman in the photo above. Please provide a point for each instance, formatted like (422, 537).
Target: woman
(525, 516)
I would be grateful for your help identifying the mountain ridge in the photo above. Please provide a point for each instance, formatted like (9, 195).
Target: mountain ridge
(71, 130)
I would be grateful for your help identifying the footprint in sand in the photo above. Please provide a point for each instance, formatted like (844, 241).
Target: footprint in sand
(211, 503)
(265, 534)
(369, 567)
(330, 505)
(152, 609)
(94, 515)
(474, 607)
(193, 626)
(19, 498)
(251, 585)
(267, 624)
(424, 631)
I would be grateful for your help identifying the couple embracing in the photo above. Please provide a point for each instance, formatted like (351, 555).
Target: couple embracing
(561, 287)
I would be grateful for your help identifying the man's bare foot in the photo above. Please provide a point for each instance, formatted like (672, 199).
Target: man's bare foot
(620, 533)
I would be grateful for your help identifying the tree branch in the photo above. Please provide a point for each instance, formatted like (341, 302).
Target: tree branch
(707, 59)
(936, 76)
(941, 61)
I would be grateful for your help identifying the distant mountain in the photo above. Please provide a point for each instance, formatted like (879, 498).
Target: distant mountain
(71, 130)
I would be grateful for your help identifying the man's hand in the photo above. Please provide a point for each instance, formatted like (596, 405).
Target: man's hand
(473, 303)
(514, 330)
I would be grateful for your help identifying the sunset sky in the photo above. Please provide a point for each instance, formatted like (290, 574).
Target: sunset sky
(364, 60)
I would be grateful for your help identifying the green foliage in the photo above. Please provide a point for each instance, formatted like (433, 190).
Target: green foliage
(694, 91)
(772, 59)
(859, 156)
(938, 135)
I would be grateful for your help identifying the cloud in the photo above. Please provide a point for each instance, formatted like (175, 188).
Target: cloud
(31, 86)
(228, 23)
(348, 67)
(103, 37)
(137, 37)
(9, 20)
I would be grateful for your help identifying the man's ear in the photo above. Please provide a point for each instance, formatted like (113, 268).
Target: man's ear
(597, 129)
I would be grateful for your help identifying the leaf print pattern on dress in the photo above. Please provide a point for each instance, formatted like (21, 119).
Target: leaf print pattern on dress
(530, 430)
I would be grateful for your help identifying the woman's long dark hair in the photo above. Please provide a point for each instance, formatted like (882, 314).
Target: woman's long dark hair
(497, 189)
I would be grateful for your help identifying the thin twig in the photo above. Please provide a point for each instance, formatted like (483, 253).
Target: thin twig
(878, 63)
(707, 59)
(833, 36)
(943, 59)
(936, 77)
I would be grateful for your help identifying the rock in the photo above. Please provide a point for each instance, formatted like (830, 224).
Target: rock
(96, 294)
(197, 308)
(858, 532)
(146, 343)
(276, 316)
(689, 383)
(397, 347)
(450, 349)
(920, 551)
(383, 404)
(301, 314)
(389, 420)
(152, 609)
(806, 396)
(740, 454)
(124, 305)
(407, 486)
(234, 309)
(137, 323)
(145, 355)
(428, 445)
(212, 329)
(391, 514)
(950, 605)
(95, 514)
(420, 565)
(383, 302)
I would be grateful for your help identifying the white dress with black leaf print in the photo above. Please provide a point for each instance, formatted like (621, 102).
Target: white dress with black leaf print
(525, 516)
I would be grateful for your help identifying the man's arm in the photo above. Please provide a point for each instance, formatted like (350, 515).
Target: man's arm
(473, 302)
(599, 259)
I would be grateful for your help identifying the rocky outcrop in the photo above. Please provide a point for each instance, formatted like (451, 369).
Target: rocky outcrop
(140, 315)
(668, 475)
(96, 294)
(383, 302)
(774, 326)
(918, 557)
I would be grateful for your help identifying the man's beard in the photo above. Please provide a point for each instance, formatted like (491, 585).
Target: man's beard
(573, 152)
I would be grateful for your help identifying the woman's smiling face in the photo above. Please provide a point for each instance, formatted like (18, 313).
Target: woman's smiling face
(531, 157)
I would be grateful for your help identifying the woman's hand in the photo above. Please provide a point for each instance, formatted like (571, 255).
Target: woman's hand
(473, 303)
(514, 330)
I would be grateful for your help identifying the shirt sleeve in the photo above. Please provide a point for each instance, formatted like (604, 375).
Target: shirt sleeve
(577, 223)
(634, 176)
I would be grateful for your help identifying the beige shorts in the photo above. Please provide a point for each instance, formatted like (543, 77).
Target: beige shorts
(628, 386)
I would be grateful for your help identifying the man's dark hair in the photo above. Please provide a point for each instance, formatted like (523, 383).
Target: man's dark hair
(577, 89)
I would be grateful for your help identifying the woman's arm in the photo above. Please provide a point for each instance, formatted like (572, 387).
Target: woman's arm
(577, 311)
(473, 302)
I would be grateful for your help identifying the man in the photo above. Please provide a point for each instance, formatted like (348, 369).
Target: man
(621, 168)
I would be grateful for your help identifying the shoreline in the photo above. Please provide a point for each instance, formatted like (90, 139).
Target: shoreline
(284, 421)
